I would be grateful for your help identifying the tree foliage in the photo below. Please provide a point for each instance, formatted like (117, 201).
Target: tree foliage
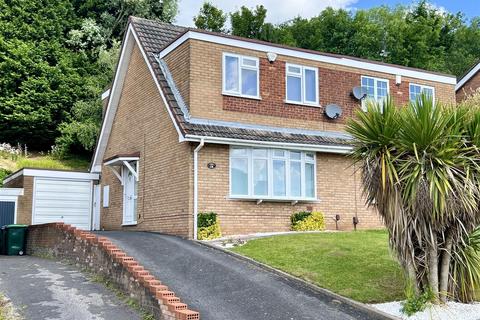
(56, 57)
(420, 169)
(419, 35)
(210, 18)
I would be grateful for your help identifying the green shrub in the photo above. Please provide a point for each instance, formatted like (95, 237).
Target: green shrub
(3, 174)
(208, 226)
(416, 303)
(314, 221)
(206, 219)
(299, 216)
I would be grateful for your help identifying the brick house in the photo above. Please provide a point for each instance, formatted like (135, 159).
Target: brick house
(198, 121)
(468, 83)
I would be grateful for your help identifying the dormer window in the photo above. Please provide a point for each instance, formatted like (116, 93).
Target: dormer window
(302, 84)
(240, 75)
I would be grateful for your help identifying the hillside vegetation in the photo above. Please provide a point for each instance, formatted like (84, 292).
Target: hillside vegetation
(13, 159)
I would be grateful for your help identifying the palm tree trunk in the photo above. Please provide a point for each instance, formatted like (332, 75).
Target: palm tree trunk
(412, 275)
(433, 269)
(445, 268)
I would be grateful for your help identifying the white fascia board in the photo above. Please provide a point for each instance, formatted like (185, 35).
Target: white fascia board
(74, 175)
(279, 145)
(116, 93)
(117, 85)
(347, 62)
(10, 192)
(106, 94)
(467, 77)
(13, 176)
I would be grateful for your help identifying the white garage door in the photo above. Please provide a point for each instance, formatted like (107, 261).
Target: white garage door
(59, 200)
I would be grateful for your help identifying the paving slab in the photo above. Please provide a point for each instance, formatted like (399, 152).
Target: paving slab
(47, 289)
(223, 287)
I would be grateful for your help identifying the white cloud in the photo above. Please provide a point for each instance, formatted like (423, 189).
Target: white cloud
(277, 10)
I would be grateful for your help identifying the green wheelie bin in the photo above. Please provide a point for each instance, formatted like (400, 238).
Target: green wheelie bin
(13, 239)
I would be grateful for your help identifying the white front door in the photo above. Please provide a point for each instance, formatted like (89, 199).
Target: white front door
(129, 197)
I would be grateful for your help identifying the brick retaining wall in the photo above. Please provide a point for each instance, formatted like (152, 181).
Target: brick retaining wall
(101, 256)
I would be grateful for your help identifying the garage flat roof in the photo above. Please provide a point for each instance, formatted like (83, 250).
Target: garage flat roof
(50, 173)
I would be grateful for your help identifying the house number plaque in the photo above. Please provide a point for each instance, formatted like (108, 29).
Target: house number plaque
(211, 165)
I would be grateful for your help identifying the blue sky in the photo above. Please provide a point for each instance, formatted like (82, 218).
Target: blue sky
(282, 10)
(470, 8)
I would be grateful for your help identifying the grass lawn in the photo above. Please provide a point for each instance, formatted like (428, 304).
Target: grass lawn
(357, 265)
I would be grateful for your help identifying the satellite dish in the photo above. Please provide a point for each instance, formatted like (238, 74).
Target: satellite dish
(333, 111)
(359, 93)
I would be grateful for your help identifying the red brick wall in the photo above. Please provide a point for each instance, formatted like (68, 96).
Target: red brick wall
(100, 256)
(334, 87)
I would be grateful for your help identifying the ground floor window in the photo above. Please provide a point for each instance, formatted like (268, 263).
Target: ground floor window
(272, 174)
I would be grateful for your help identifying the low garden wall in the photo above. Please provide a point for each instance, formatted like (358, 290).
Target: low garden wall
(102, 257)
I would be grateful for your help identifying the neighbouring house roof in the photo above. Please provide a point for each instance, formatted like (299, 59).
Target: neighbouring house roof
(467, 76)
(156, 39)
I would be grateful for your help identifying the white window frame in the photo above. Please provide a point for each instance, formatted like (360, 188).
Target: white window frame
(240, 67)
(303, 87)
(375, 87)
(421, 90)
(270, 157)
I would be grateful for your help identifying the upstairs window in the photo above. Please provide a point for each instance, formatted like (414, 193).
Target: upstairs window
(376, 89)
(272, 174)
(416, 90)
(240, 75)
(302, 84)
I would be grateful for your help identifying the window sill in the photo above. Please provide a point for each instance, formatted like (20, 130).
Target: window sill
(129, 224)
(260, 200)
(241, 96)
(295, 103)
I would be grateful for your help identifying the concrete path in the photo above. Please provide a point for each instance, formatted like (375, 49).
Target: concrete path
(223, 287)
(47, 289)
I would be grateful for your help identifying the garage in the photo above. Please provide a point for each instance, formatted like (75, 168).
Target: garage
(53, 196)
(62, 200)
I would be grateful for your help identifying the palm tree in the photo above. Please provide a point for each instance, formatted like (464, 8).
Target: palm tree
(420, 169)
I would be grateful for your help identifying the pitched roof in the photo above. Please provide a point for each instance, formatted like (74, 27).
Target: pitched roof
(154, 37)
(467, 76)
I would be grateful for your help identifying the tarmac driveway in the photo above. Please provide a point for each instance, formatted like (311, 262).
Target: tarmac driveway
(223, 287)
(47, 290)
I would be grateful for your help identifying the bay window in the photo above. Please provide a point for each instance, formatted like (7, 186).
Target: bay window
(258, 173)
(376, 89)
(302, 84)
(240, 75)
(416, 90)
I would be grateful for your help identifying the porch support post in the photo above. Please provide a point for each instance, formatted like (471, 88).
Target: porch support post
(116, 173)
(133, 171)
